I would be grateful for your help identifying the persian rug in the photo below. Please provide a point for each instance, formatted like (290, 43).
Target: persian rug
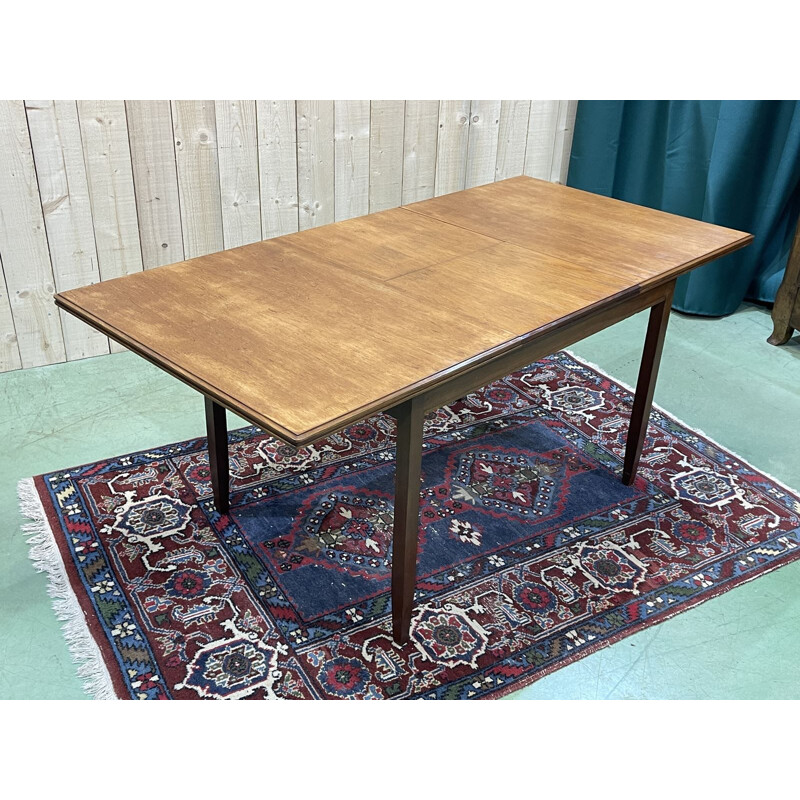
(532, 552)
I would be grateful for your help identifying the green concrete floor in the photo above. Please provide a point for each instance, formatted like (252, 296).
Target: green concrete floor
(717, 375)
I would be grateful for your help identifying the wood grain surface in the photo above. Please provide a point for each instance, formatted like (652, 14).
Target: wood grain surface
(305, 333)
(786, 311)
(589, 230)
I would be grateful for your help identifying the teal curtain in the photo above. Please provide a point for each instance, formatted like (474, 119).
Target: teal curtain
(733, 163)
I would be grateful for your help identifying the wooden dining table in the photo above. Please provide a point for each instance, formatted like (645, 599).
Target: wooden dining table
(403, 311)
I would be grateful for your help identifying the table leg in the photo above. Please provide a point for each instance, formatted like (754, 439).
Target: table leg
(217, 429)
(786, 299)
(408, 465)
(646, 384)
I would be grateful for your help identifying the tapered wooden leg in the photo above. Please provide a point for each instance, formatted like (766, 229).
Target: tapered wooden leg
(217, 429)
(786, 298)
(645, 386)
(408, 466)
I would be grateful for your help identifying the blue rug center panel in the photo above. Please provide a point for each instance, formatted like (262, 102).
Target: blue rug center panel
(492, 495)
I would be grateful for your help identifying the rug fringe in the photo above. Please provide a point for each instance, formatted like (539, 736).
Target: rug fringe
(683, 424)
(46, 558)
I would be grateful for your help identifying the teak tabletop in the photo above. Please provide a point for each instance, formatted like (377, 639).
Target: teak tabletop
(402, 311)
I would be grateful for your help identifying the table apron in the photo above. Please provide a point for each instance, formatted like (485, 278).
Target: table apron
(548, 343)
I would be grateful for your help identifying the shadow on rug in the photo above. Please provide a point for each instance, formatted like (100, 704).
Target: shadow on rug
(532, 552)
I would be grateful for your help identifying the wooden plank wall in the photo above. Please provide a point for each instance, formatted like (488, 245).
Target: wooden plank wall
(91, 190)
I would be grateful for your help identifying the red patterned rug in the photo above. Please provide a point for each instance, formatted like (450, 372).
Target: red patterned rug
(532, 552)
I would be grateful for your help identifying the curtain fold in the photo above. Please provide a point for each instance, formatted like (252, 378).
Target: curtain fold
(732, 162)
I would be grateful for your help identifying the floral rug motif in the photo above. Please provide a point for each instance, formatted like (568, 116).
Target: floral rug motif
(532, 552)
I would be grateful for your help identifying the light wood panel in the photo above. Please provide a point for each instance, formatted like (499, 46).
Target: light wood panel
(562, 145)
(104, 130)
(151, 182)
(9, 349)
(237, 145)
(484, 127)
(304, 369)
(64, 195)
(512, 138)
(155, 180)
(451, 146)
(351, 139)
(420, 137)
(387, 126)
(23, 245)
(542, 129)
(106, 151)
(195, 128)
(277, 165)
(315, 163)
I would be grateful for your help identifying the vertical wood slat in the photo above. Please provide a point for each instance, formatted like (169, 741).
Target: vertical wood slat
(104, 132)
(567, 110)
(451, 146)
(315, 163)
(195, 128)
(64, 195)
(106, 151)
(512, 138)
(386, 128)
(237, 146)
(9, 349)
(484, 128)
(155, 179)
(351, 155)
(542, 127)
(277, 164)
(24, 249)
(419, 150)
